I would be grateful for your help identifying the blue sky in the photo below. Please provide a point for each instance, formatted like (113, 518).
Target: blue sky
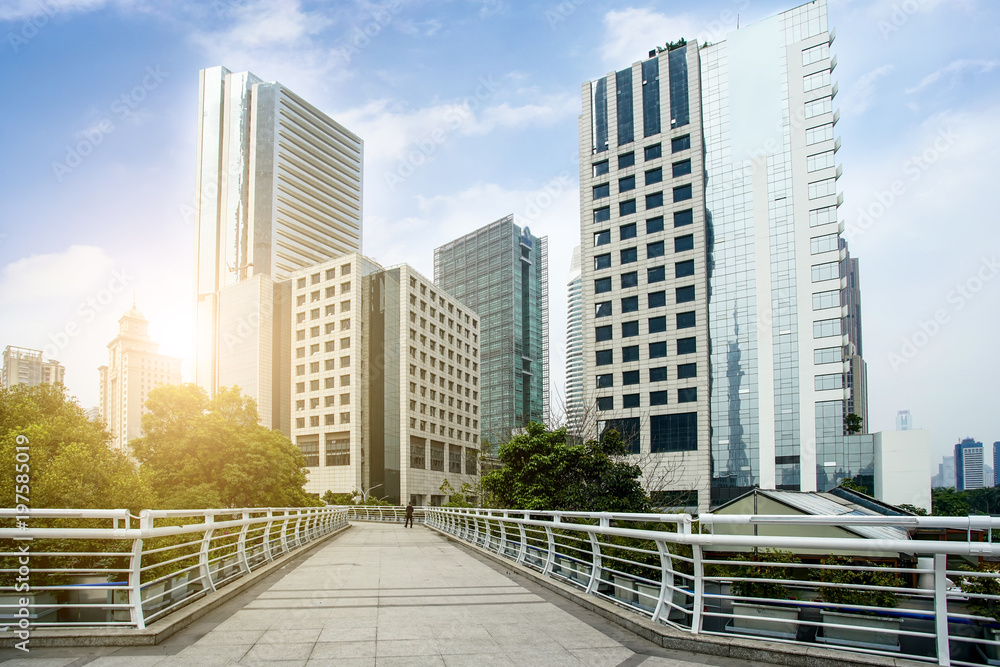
(469, 112)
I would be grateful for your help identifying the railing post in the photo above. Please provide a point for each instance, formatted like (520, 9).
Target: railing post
(941, 608)
(283, 536)
(523, 551)
(550, 558)
(595, 566)
(204, 567)
(135, 576)
(699, 589)
(267, 535)
(666, 579)
(241, 544)
(503, 536)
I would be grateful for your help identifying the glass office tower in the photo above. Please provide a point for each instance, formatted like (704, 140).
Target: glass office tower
(501, 272)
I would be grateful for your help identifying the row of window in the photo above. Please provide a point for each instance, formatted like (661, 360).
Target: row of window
(331, 274)
(439, 429)
(455, 457)
(654, 249)
(630, 304)
(667, 433)
(652, 177)
(652, 152)
(441, 301)
(330, 293)
(686, 395)
(656, 350)
(659, 374)
(630, 329)
(328, 382)
(653, 225)
(654, 274)
(653, 201)
(338, 449)
(328, 420)
(328, 401)
(474, 395)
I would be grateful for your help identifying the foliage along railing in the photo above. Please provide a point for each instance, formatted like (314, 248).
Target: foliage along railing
(889, 597)
(71, 568)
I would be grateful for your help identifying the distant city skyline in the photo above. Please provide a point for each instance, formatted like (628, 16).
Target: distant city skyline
(100, 172)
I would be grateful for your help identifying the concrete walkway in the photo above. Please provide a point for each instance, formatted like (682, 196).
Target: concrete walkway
(383, 595)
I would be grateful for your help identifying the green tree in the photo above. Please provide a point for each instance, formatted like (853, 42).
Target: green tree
(331, 498)
(542, 471)
(70, 461)
(202, 452)
(850, 483)
(946, 501)
(853, 423)
(456, 497)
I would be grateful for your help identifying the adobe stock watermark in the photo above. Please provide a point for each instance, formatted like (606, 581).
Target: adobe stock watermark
(455, 117)
(551, 191)
(22, 500)
(32, 25)
(958, 298)
(87, 312)
(121, 107)
(900, 15)
(913, 169)
(362, 35)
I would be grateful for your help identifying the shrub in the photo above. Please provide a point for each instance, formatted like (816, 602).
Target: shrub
(752, 571)
(847, 573)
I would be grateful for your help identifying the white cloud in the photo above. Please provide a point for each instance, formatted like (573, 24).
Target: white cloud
(953, 68)
(859, 96)
(39, 11)
(631, 33)
(71, 273)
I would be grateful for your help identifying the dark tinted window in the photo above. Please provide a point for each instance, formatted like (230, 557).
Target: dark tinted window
(657, 299)
(685, 294)
(601, 191)
(626, 207)
(626, 184)
(680, 143)
(673, 433)
(682, 243)
(630, 279)
(602, 238)
(630, 304)
(657, 325)
(602, 285)
(654, 225)
(630, 353)
(687, 371)
(682, 218)
(627, 231)
(626, 160)
(686, 345)
(652, 152)
(682, 269)
(602, 309)
(682, 168)
(654, 200)
(606, 380)
(685, 320)
(630, 329)
(606, 403)
(630, 377)
(654, 250)
(602, 214)
(689, 395)
(605, 357)
(658, 397)
(629, 255)
(656, 274)
(631, 401)
(682, 193)
(657, 350)
(603, 333)
(602, 261)
(654, 176)
(601, 168)
(658, 374)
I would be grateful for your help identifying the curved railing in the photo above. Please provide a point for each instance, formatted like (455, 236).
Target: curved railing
(383, 513)
(72, 568)
(696, 576)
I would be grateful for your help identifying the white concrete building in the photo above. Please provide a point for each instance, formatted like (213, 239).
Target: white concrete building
(25, 366)
(901, 459)
(278, 189)
(134, 368)
(385, 381)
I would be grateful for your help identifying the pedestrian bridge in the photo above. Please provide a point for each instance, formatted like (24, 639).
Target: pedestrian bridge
(488, 587)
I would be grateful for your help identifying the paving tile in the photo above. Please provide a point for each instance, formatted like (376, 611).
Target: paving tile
(279, 652)
(339, 650)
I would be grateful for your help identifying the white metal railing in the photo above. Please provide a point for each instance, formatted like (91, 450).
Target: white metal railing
(888, 597)
(383, 513)
(71, 568)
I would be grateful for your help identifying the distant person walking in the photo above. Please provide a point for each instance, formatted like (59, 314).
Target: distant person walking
(409, 515)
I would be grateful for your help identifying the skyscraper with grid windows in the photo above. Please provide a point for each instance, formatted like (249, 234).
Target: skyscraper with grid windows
(501, 272)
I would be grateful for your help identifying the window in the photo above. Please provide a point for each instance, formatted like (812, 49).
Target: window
(814, 135)
(656, 299)
(685, 371)
(602, 191)
(602, 309)
(822, 216)
(602, 285)
(682, 193)
(683, 269)
(686, 320)
(605, 381)
(626, 184)
(673, 433)
(628, 429)
(417, 453)
(827, 328)
(652, 152)
(815, 54)
(658, 397)
(656, 274)
(678, 144)
(817, 107)
(626, 160)
(682, 243)
(654, 225)
(824, 243)
(687, 395)
(630, 304)
(654, 176)
(658, 374)
(630, 353)
(630, 279)
(629, 255)
(827, 271)
(682, 218)
(828, 355)
(657, 350)
(830, 381)
(658, 325)
(819, 161)
(654, 200)
(687, 345)
(626, 207)
(600, 168)
(602, 238)
(682, 168)
(605, 357)
(603, 333)
(817, 80)
(824, 188)
(602, 214)
(630, 329)
(338, 449)
(630, 401)
(627, 232)
(684, 294)
(654, 250)
(602, 261)
(630, 378)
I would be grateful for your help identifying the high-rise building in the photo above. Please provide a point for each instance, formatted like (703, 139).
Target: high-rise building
(134, 368)
(945, 476)
(644, 265)
(278, 189)
(969, 472)
(575, 409)
(501, 272)
(996, 462)
(386, 381)
(25, 366)
(904, 421)
(725, 156)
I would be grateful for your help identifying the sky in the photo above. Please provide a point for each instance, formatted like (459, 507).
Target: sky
(468, 110)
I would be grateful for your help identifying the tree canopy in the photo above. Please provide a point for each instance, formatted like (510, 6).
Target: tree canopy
(198, 451)
(542, 471)
(70, 463)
